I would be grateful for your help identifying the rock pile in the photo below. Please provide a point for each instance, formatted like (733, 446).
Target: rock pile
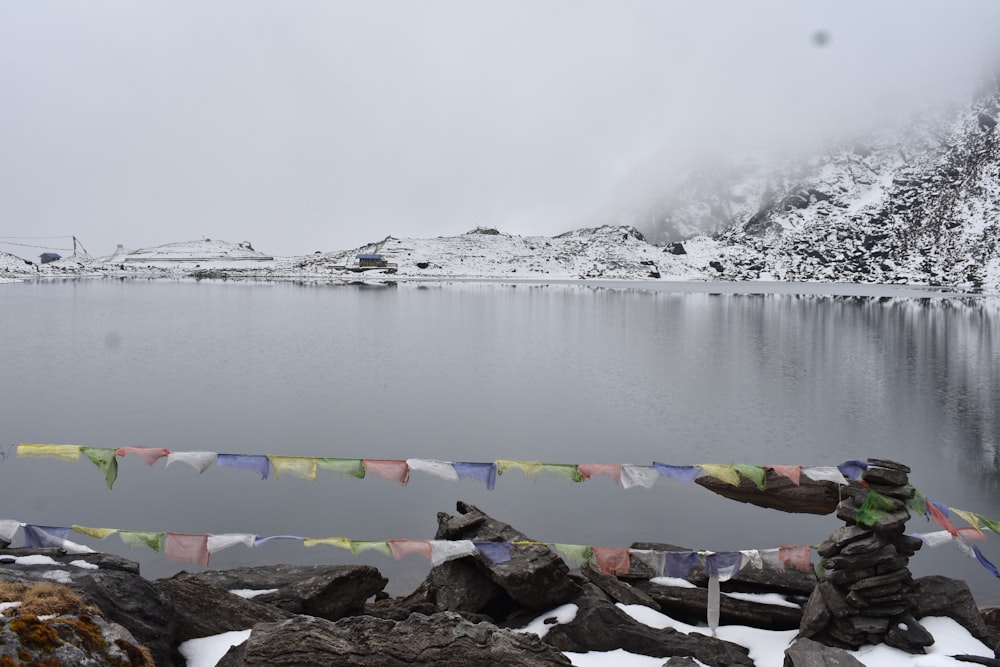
(866, 596)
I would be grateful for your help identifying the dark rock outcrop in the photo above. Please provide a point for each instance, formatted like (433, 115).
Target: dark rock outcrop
(68, 639)
(690, 605)
(599, 625)
(121, 594)
(535, 578)
(808, 653)
(364, 641)
(327, 591)
(202, 609)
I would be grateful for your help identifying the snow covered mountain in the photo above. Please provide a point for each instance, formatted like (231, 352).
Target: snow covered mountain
(918, 203)
(915, 204)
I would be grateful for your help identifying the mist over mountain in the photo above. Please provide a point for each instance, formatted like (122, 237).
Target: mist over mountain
(916, 201)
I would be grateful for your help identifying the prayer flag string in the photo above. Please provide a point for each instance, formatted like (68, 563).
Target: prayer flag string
(625, 475)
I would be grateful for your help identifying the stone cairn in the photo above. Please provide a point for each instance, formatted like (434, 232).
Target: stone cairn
(864, 597)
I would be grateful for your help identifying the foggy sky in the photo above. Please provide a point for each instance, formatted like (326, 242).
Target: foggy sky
(321, 125)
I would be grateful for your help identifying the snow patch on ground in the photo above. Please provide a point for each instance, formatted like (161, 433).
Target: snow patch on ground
(82, 564)
(673, 582)
(58, 576)
(541, 625)
(252, 592)
(764, 598)
(207, 651)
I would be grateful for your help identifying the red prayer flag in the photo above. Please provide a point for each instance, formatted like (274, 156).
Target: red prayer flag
(149, 454)
(611, 560)
(791, 472)
(395, 471)
(796, 556)
(400, 548)
(938, 517)
(187, 548)
(612, 470)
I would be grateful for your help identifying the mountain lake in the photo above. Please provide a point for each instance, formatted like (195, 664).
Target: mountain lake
(763, 374)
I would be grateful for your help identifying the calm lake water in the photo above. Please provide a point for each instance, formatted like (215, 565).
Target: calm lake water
(477, 372)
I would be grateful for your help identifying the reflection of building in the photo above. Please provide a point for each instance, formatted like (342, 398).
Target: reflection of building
(47, 257)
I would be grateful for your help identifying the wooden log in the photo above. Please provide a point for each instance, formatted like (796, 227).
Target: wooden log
(780, 493)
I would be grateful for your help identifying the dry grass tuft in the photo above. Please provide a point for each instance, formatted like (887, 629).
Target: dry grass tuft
(46, 598)
(10, 592)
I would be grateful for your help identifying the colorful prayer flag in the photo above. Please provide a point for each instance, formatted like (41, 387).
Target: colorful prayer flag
(135, 538)
(394, 471)
(531, 469)
(483, 472)
(187, 548)
(401, 548)
(644, 476)
(104, 459)
(755, 474)
(723, 473)
(793, 473)
(611, 560)
(253, 462)
(612, 470)
(680, 473)
(350, 467)
(65, 453)
(441, 469)
(298, 466)
(149, 454)
(495, 552)
(200, 461)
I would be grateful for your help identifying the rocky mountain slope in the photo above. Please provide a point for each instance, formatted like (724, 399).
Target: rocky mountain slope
(918, 203)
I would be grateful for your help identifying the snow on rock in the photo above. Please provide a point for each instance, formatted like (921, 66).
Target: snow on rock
(205, 250)
(918, 203)
(614, 252)
(13, 267)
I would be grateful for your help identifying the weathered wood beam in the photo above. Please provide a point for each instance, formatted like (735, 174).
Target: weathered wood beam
(780, 493)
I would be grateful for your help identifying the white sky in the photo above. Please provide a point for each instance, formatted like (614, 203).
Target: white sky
(319, 125)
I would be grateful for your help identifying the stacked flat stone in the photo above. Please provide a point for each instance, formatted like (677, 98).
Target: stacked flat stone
(865, 595)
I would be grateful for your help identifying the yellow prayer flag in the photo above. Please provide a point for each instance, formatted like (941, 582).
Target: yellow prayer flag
(299, 466)
(67, 453)
(726, 473)
(969, 517)
(99, 533)
(341, 542)
(531, 469)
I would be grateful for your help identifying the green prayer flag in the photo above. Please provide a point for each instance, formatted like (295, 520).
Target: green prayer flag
(357, 546)
(918, 503)
(564, 470)
(350, 467)
(134, 538)
(874, 508)
(104, 459)
(989, 523)
(753, 473)
(577, 555)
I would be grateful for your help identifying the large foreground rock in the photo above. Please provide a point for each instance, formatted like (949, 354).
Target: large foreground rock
(327, 591)
(115, 588)
(808, 653)
(535, 577)
(600, 625)
(365, 641)
(203, 610)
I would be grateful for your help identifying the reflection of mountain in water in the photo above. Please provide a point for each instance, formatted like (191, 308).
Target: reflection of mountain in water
(929, 366)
